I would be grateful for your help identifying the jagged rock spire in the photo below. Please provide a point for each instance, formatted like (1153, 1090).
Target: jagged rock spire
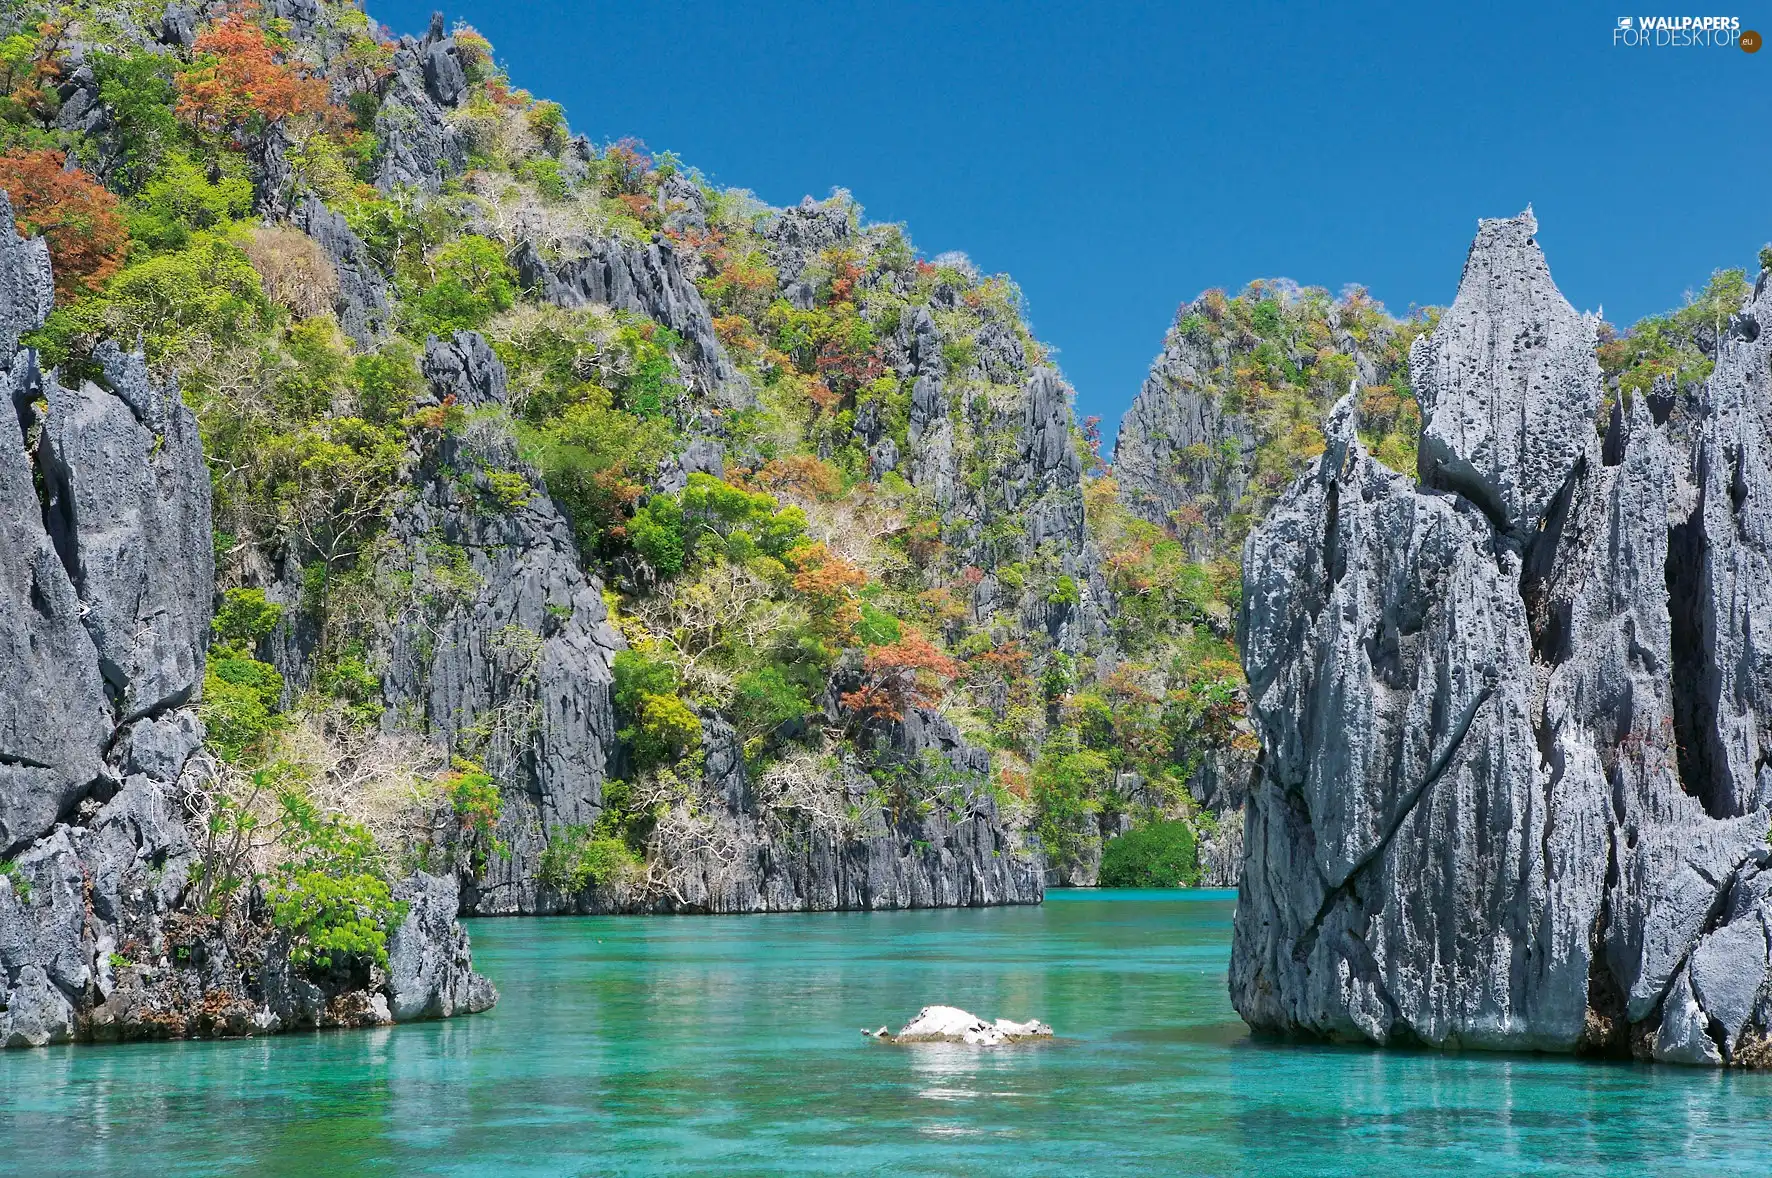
(1508, 382)
(1513, 786)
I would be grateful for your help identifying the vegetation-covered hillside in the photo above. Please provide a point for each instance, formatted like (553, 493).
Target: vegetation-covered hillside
(823, 496)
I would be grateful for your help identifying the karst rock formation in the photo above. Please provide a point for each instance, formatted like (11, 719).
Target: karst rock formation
(106, 591)
(1515, 776)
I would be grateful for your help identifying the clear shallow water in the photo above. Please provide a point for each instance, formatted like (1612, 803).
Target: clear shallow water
(729, 1045)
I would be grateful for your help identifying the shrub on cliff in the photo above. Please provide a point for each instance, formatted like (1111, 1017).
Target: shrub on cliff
(241, 695)
(1156, 855)
(329, 892)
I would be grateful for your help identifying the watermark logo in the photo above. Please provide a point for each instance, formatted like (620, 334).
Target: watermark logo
(1683, 32)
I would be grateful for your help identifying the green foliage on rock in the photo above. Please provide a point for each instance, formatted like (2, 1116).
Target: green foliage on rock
(241, 695)
(576, 857)
(329, 893)
(15, 875)
(1154, 855)
(766, 698)
(1678, 347)
(462, 285)
(1068, 783)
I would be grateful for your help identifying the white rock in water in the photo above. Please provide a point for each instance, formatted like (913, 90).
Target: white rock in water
(950, 1024)
(1032, 1029)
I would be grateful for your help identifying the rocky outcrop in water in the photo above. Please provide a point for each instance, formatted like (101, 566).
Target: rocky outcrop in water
(106, 588)
(828, 841)
(950, 1024)
(1511, 793)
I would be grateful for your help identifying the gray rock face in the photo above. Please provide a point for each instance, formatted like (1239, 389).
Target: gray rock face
(27, 289)
(1498, 806)
(430, 971)
(81, 109)
(504, 651)
(681, 205)
(105, 580)
(178, 26)
(1221, 851)
(796, 237)
(128, 510)
(417, 146)
(106, 589)
(795, 854)
(1178, 445)
(1038, 482)
(362, 305)
(445, 80)
(700, 456)
(648, 280)
(54, 716)
(1509, 385)
(1051, 459)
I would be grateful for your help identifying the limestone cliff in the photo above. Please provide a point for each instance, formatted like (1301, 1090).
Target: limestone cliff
(1511, 793)
(512, 660)
(106, 588)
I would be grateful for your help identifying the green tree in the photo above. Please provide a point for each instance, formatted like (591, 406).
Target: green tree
(136, 90)
(1155, 855)
(179, 199)
(329, 893)
(469, 281)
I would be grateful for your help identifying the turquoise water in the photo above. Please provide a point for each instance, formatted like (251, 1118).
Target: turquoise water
(729, 1045)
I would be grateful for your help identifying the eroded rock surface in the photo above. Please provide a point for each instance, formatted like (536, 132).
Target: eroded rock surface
(1508, 384)
(648, 280)
(502, 649)
(1511, 793)
(106, 590)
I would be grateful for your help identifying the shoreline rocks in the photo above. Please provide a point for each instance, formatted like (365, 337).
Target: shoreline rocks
(106, 590)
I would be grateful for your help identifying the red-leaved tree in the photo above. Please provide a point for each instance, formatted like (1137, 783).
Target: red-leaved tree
(829, 584)
(911, 672)
(73, 212)
(235, 80)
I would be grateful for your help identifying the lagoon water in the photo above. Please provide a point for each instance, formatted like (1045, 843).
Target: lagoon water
(729, 1045)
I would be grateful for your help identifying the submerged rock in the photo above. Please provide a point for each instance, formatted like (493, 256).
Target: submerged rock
(1511, 791)
(950, 1024)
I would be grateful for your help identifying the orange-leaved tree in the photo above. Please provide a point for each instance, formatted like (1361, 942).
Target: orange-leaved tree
(236, 80)
(911, 672)
(829, 584)
(800, 474)
(73, 212)
(625, 166)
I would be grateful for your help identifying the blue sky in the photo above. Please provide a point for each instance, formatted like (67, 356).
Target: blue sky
(1117, 160)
